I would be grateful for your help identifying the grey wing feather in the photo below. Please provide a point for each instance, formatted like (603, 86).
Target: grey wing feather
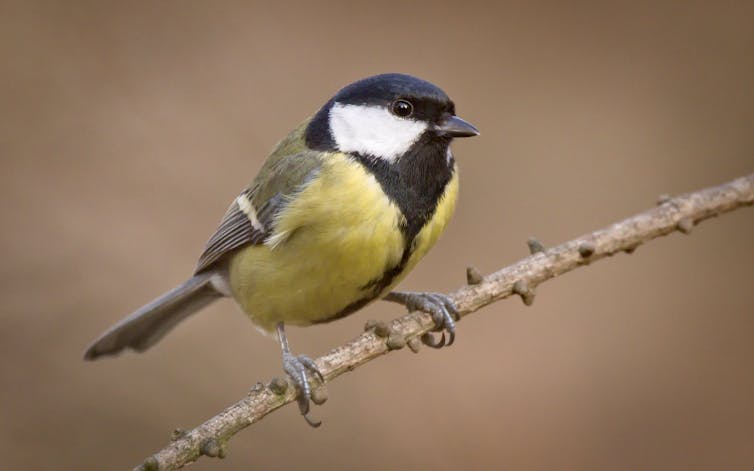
(235, 231)
(266, 197)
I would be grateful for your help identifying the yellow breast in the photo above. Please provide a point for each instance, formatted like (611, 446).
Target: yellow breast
(335, 237)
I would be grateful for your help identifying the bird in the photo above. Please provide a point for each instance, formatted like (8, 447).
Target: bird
(341, 210)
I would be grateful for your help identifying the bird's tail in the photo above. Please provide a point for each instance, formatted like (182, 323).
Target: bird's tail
(150, 323)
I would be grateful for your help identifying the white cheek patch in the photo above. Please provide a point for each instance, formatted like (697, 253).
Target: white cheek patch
(373, 130)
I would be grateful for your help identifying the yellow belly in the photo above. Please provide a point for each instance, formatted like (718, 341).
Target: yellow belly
(338, 235)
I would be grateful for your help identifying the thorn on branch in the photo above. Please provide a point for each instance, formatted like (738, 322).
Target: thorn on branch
(278, 386)
(319, 395)
(586, 249)
(395, 341)
(685, 225)
(535, 246)
(473, 277)
(663, 198)
(380, 328)
(212, 448)
(177, 434)
(521, 288)
(257, 388)
(149, 464)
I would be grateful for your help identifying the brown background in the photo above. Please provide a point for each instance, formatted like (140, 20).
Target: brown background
(126, 128)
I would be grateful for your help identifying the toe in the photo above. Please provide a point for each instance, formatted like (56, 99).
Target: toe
(451, 330)
(311, 366)
(296, 368)
(442, 309)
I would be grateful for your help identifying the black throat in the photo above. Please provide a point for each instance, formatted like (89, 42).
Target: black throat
(416, 181)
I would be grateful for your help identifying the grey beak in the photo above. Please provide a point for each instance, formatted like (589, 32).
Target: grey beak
(456, 127)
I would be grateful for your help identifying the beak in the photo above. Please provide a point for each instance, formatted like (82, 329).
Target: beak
(453, 126)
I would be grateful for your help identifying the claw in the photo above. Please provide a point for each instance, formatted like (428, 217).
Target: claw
(311, 366)
(296, 367)
(429, 340)
(312, 422)
(441, 307)
(451, 337)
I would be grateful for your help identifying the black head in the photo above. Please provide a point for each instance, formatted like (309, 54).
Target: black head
(384, 116)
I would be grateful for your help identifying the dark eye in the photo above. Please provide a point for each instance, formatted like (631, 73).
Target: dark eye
(402, 108)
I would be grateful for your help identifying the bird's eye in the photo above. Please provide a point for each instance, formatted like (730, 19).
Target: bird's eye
(402, 108)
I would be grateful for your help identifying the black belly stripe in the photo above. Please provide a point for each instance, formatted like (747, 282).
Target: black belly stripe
(415, 183)
(376, 287)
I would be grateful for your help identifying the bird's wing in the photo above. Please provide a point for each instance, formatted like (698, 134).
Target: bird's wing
(250, 219)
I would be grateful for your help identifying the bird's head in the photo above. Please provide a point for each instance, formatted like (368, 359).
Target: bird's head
(384, 116)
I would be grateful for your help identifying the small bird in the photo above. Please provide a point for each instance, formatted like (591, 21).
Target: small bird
(343, 208)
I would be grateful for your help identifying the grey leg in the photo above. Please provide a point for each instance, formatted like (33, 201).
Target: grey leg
(296, 367)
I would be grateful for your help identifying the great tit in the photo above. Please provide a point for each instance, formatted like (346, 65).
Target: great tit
(343, 208)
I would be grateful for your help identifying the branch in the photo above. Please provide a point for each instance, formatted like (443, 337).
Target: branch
(672, 214)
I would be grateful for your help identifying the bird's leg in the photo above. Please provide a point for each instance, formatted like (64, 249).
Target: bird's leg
(296, 366)
(440, 306)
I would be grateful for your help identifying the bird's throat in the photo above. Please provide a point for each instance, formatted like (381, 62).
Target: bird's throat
(415, 182)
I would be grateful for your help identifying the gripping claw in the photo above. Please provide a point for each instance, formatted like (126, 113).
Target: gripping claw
(440, 306)
(297, 367)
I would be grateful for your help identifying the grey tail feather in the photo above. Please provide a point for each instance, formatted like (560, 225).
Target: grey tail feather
(151, 322)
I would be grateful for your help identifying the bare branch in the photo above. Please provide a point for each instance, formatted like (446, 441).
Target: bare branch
(672, 214)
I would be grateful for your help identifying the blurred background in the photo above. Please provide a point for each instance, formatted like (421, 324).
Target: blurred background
(126, 128)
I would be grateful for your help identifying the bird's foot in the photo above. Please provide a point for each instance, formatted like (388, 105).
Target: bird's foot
(297, 367)
(440, 306)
